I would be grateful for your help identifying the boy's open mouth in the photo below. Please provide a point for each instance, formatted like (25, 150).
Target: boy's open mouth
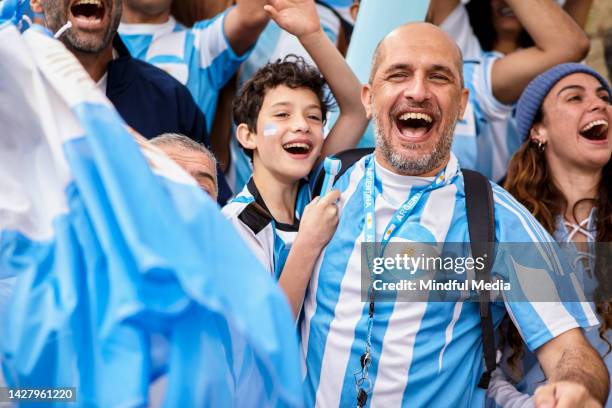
(297, 148)
(595, 130)
(414, 125)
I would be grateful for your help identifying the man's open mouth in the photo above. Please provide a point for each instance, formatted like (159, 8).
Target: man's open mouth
(595, 130)
(297, 148)
(414, 125)
(91, 10)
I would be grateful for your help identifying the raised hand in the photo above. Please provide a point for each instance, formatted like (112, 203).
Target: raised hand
(298, 17)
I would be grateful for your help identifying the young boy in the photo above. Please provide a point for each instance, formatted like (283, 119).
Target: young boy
(280, 114)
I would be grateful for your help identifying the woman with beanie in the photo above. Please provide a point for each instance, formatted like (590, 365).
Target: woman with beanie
(563, 175)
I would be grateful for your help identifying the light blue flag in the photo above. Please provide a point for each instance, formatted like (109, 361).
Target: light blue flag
(18, 12)
(376, 19)
(113, 245)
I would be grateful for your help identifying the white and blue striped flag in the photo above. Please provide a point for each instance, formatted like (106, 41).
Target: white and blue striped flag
(109, 248)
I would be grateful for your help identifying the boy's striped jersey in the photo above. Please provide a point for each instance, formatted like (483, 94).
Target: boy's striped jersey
(200, 57)
(424, 353)
(269, 239)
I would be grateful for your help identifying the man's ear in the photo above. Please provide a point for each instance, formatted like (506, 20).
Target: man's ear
(366, 99)
(465, 95)
(245, 137)
(35, 6)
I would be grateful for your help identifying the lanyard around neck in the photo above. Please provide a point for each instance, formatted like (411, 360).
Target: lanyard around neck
(370, 193)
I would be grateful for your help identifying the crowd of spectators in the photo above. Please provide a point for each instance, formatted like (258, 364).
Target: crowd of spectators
(240, 94)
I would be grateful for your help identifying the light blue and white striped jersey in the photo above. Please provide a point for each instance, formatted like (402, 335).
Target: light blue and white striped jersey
(268, 239)
(424, 354)
(200, 57)
(275, 43)
(485, 138)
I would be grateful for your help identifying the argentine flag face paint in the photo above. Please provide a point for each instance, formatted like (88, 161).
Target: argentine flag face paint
(98, 273)
(270, 129)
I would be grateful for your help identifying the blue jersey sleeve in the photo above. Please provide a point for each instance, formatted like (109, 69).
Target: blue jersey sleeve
(545, 298)
(217, 60)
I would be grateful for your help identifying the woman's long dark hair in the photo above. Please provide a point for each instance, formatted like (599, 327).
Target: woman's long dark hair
(480, 13)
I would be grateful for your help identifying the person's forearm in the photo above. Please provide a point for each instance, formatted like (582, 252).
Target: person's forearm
(551, 29)
(578, 10)
(557, 37)
(297, 271)
(439, 10)
(345, 87)
(244, 23)
(571, 367)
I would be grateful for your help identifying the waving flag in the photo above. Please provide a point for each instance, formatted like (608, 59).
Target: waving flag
(111, 248)
(18, 12)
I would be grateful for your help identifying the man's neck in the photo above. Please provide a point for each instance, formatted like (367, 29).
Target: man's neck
(95, 64)
(279, 196)
(384, 163)
(576, 185)
(131, 16)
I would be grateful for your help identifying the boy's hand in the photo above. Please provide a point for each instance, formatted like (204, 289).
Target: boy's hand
(319, 221)
(298, 17)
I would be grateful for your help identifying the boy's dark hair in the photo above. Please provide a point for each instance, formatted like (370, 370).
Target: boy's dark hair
(293, 72)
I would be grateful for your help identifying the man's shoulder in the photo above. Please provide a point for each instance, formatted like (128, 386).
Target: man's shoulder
(514, 222)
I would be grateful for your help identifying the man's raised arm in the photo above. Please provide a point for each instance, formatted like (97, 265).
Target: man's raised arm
(577, 376)
(557, 39)
(244, 23)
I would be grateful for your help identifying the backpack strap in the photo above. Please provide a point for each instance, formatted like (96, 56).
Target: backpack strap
(481, 226)
(347, 158)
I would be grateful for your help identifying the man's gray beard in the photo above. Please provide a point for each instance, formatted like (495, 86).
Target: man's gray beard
(422, 164)
(55, 20)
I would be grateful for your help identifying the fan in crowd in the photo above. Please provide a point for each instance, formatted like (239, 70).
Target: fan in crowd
(280, 114)
(562, 173)
(148, 99)
(193, 157)
(412, 190)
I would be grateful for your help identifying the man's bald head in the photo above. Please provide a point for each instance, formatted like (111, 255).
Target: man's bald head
(426, 34)
(415, 97)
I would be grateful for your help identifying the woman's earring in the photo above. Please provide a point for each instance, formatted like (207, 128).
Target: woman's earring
(541, 146)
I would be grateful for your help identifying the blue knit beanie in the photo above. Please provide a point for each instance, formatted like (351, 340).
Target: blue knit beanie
(531, 100)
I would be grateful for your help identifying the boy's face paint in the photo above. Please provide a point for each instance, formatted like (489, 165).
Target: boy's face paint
(270, 129)
(289, 133)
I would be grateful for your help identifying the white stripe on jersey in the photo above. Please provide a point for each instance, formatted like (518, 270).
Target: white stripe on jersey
(166, 45)
(397, 353)
(210, 38)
